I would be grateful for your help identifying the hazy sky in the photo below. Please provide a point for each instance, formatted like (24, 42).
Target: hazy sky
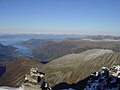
(60, 16)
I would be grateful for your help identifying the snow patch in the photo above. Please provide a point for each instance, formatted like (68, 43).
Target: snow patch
(10, 88)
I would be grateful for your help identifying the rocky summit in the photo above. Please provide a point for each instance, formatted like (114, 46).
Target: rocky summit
(106, 79)
(34, 80)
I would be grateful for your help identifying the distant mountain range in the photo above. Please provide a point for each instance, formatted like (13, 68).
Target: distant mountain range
(102, 37)
(58, 36)
(47, 50)
(41, 36)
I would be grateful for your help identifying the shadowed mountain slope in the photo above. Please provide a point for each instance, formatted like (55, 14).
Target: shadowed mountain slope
(7, 53)
(32, 43)
(68, 46)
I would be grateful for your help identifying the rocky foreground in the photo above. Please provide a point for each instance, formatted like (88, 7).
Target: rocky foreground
(106, 79)
(34, 80)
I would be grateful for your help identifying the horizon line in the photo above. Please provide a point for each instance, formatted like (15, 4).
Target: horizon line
(57, 34)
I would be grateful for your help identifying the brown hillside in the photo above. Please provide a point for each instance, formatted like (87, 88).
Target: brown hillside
(74, 67)
(59, 49)
(16, 70)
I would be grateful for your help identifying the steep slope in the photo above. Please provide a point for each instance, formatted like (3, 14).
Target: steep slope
(75, 67)
(106, 79)
(16, 70)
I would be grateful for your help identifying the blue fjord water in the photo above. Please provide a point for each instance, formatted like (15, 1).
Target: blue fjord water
(23, 50)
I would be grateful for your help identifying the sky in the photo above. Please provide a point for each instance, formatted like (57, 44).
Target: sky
(60, 16)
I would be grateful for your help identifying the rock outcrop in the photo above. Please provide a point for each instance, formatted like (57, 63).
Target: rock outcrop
(107, 79)
(35, 81)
